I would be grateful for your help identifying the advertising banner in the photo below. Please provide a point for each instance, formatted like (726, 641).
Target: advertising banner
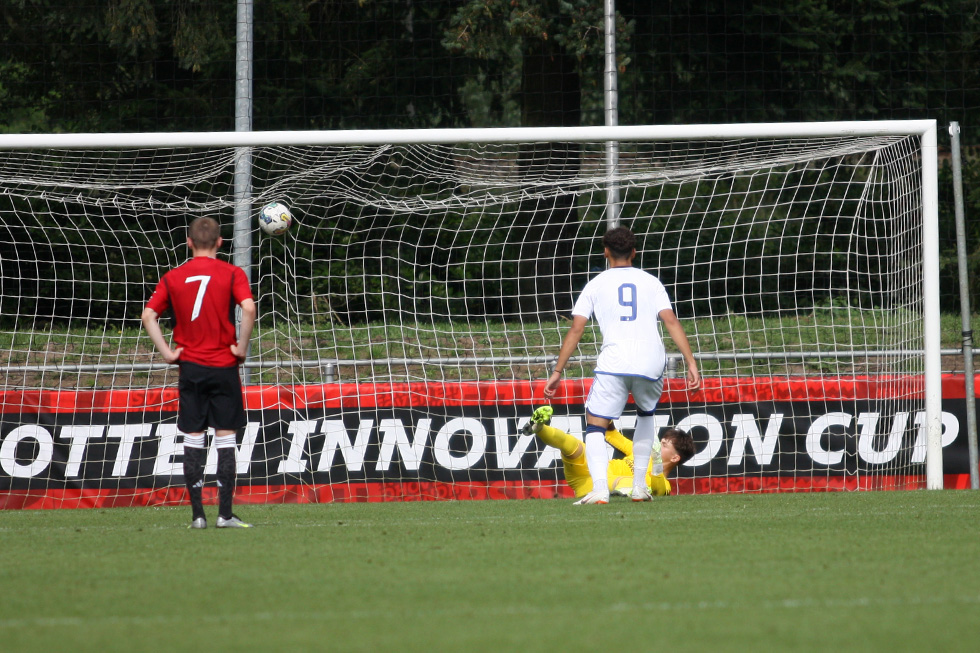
(363, 442)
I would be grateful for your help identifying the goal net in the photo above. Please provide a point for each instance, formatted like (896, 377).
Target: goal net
(408, 318)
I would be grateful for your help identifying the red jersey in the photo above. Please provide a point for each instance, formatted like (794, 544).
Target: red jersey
(203, 294)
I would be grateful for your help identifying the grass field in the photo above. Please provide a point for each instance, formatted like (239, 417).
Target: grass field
(874, 571)
(823, 330)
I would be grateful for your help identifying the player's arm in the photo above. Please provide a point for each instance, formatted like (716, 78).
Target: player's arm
(677, 334)
(249, 313)
(568, 347)
(151, 322)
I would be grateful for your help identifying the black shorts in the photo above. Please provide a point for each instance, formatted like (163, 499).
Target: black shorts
(209, 396)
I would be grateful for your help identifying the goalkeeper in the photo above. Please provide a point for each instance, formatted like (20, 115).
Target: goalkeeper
(675, 447)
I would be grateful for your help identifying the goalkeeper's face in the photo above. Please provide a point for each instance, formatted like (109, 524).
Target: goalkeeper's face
(667, 451)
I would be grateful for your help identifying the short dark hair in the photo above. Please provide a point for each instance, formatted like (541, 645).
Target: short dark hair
(204, 232)
(683, 443)
(620, 241)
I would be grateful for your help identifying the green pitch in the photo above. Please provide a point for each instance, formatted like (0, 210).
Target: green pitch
(856, 571)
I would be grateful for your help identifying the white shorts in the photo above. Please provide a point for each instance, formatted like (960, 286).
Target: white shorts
(609, 394)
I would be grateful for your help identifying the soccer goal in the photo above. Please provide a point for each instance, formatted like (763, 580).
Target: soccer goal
(408, 317)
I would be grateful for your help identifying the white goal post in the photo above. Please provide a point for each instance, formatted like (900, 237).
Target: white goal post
(408, 317)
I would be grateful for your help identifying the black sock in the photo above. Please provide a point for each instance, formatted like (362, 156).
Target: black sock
(226, 481)
(194, 478)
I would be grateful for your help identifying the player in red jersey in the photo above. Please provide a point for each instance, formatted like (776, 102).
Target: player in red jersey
(202, 294)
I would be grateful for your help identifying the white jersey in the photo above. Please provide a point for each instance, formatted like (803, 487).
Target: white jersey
(626, 302)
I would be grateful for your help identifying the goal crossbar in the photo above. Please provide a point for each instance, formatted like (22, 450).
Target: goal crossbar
(925, 128)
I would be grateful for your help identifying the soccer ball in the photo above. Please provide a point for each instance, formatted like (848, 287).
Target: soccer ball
(275, 218)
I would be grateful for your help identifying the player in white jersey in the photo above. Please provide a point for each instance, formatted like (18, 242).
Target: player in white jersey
(627, 303)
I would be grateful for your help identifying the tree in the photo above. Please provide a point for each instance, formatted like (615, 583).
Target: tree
(797, 60)
(125, 68)
(554, 44)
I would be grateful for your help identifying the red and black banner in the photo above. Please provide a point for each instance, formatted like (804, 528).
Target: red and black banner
(382, 442)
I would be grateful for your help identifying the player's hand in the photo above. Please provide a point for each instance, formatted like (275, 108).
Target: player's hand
(172, 355)
(693, 379)
(240, 353)
(551, 386)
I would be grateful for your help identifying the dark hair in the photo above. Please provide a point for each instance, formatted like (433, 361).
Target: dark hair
(683, 443)
(620, 241)
(204, 232)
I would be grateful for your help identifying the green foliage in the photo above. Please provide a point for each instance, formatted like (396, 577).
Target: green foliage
(76, 264)
(948, 257)
(767, 61)
(502, 37)
(479, 28)
(159, 65)
(109, 67)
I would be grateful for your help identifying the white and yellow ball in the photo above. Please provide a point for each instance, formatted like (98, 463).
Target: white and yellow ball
(275, 218)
